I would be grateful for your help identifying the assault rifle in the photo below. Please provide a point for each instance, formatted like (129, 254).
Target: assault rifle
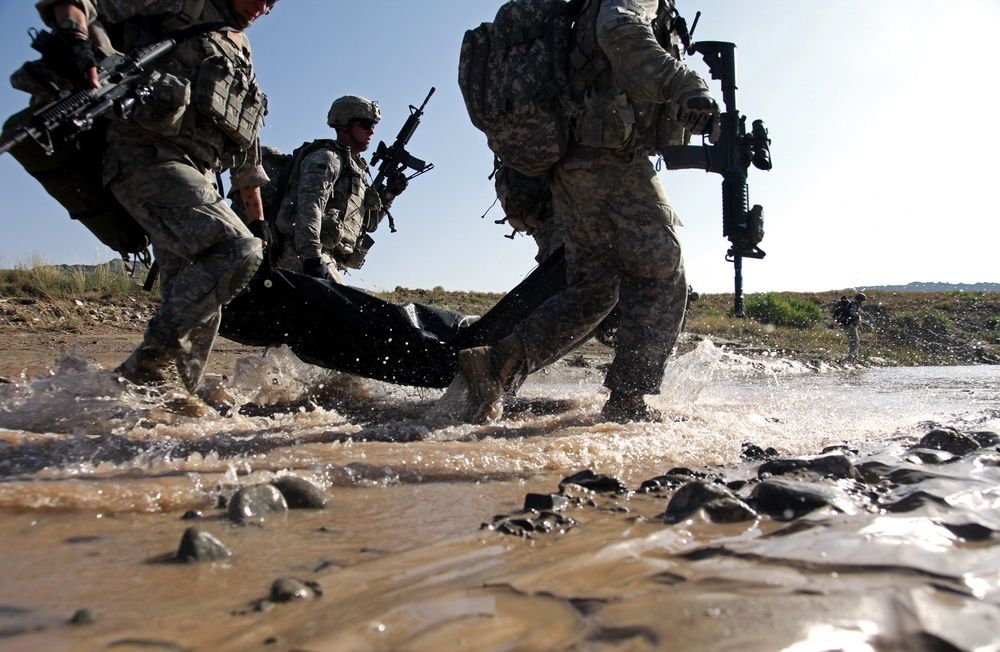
(731, 157)
(72, 113)
(395, 159)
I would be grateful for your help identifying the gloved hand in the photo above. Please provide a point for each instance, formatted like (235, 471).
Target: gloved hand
(260, 230)
(396, 184)
(69, 54)
(316, 268)
(699, 113)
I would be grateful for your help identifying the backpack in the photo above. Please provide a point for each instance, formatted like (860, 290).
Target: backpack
(513, 74)
(842, 312)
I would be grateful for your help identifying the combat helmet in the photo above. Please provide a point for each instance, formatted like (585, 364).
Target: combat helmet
(860, 296)
(346, 108)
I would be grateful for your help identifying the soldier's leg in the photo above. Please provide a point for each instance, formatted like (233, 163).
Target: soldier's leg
(205, 251)
(653, 292)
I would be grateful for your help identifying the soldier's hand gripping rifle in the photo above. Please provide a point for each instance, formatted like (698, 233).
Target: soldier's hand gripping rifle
(395, 160)
(72, 113)
(731, 157)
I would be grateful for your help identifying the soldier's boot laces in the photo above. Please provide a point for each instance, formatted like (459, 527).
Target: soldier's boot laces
(489, 370)
(625, 407)
(158, 375)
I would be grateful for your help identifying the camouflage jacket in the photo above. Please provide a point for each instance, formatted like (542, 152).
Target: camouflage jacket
(328, 202)
(627, 80)
(181, 110)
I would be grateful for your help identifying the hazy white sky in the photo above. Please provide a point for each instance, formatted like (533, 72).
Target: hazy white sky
(880, 111)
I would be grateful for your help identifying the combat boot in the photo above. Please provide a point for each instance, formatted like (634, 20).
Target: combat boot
(489, 370)
(156, 371)
(623, 407)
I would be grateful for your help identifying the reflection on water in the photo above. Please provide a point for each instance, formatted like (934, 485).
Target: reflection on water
(95, 479)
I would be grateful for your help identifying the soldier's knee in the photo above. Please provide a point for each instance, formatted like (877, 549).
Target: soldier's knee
(235, 262)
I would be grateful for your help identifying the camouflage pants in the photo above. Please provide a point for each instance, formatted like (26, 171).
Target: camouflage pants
(853, 341)
(621, 250)
(204, 251)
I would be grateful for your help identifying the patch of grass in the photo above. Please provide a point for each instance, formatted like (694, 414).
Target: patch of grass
(779, 310)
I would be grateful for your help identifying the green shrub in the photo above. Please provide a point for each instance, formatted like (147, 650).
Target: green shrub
(775, 309)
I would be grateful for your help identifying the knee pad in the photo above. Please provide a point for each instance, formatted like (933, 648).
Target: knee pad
(235, 262)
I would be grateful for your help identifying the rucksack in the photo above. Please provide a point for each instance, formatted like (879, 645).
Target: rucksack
(513, 74)
(842, 312)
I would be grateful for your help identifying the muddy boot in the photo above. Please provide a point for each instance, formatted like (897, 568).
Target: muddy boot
(489, 370)
(623, 407)
(156, 371)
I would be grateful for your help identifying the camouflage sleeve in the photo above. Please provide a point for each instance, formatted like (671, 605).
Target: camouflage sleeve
(641, 66)
(318, 173)
(113, 11)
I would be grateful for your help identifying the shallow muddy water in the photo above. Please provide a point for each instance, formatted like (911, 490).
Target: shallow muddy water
(425, 546)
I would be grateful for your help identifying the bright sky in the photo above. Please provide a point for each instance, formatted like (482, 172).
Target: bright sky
(885, 153)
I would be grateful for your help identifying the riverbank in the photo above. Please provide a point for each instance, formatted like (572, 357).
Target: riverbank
(104, 321)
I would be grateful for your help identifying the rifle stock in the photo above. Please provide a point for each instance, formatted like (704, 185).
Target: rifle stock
(731, 157)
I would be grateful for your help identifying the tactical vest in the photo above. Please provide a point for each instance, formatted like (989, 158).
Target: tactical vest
(204, 95)
(348, 211)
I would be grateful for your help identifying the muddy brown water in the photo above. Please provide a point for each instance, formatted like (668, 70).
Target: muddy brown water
(95, 484)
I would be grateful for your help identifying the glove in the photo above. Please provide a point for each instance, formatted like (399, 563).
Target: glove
(698, 113)
(316, 268)
(396, 184)
(260, 230)
(69, 54)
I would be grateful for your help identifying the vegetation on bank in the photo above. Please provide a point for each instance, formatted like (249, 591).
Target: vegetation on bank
(902, 328)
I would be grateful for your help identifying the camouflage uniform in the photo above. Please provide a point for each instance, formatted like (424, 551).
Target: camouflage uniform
(161, 166)
(327, 209)
(610, 207)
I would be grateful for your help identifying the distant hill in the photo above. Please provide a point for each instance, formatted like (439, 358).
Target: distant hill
(937, 287)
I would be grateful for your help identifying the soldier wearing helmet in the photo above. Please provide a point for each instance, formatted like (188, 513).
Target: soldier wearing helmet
(328, 207)
(159, 162)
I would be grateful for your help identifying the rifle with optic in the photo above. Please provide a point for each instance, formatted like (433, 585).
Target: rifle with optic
(730, 156)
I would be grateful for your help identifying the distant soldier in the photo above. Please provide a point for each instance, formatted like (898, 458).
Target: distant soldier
(852, 325)
(328, 207)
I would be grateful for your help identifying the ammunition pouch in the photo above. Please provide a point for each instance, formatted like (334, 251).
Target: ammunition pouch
(231, 99)
(526, 201)
(605, 119)
(357, 257)
(162, 112)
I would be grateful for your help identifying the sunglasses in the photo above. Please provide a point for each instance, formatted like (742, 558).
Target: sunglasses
(367, 125)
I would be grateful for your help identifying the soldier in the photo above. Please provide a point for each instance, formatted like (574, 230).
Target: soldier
(328, 207)
(617, 223)
(852, 326)
(161, 165)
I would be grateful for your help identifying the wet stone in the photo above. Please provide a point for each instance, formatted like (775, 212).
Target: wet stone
(528, 526)
(83, 617)
(663, 482)
(596, 483)
(300, 493)
(928, 456)
(985, 438)
(545, 502)
(784, 500)
(754, 453)
(192, 514)
(197, 545)
(831, 465)
(256, 501)
(718, 503)
(950, 441)
(288, 589)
